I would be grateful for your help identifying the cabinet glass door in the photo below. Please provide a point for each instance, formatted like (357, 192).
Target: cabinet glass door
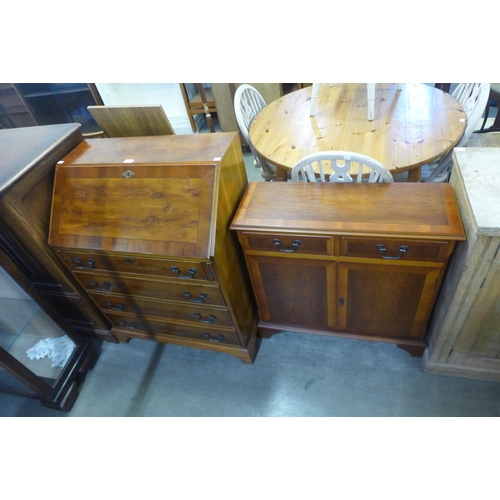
(31, 343)
(53, 103)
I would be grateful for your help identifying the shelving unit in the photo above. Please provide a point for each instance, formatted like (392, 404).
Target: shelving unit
(29, 104)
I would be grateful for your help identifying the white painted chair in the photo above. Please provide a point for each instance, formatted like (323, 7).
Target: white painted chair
(247, 104)
(341, 164)
(473, 97)
(370, 98)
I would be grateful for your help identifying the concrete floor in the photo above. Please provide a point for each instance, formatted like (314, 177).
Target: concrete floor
(294, 375)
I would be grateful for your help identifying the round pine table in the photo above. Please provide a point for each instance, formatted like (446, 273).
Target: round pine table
(412, 127)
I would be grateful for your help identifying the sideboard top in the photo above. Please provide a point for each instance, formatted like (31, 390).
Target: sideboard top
(411, 209)
(22, 148)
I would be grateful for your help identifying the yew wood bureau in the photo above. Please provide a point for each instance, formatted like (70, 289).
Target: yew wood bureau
(361, 260)
(143, 225)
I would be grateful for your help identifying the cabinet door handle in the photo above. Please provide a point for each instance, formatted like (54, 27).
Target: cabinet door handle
(383, 249)
(210, 319)
(119, 308)
(201, 298)
(104, 288)
(219, 338)
(79, 264)
(295, 245)
(191, 273)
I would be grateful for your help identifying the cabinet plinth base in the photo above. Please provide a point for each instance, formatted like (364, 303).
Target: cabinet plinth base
(415, 348)
(245, 354)
(66, 398)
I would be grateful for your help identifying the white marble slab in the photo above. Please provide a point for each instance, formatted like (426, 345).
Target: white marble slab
(480, 171)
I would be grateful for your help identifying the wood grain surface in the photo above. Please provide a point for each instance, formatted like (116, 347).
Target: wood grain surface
(412, 127)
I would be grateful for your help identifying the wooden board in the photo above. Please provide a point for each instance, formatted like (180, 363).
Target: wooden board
(131, 121)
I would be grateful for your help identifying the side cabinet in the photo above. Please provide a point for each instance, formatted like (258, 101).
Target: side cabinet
(142, 223)
(464, 333)
(28, 157)
(369, 273)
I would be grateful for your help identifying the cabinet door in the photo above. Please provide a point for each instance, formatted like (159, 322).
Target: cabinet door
(385, 300)
(294, 291)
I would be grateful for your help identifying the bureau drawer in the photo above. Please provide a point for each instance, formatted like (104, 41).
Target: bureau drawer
(279, 243)
(134, 325)
(395, 249)
(168, 268)
(168, 310)
(179, 290)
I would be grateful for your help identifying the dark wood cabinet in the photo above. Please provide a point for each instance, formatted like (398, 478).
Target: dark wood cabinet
(360, 260)
(143, 225)
(27, 162)
(30, 104)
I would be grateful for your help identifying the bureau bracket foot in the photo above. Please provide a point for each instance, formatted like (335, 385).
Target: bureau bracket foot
(267, 333)
(416, 351)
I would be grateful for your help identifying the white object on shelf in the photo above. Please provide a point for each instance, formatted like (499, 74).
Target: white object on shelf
(58, 349)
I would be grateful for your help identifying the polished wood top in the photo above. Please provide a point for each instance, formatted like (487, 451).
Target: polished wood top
(381, 209)
(22, 148)
(412, 127)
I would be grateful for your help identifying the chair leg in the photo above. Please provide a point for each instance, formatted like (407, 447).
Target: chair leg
(370, 90)
(314, 96)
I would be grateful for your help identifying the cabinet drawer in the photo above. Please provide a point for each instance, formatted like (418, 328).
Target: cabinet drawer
(168, 310)
(168, 268)
(279, 243)
(137, 324)
(180, 290)
(395, 249)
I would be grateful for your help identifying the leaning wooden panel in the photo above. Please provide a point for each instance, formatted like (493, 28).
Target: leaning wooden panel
(131, 121)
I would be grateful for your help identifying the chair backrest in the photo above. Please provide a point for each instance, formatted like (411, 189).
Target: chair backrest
(311, 168)
(248, 103)
(132, 121)
(473, 97)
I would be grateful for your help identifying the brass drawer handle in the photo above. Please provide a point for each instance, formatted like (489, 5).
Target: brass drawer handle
(201, 298)
(79, 264)
(383, 249)
(210, 319)
(219, 338)
(119, 308)
(104, 288)
(295, 245)
(191, 273)
(131, 326)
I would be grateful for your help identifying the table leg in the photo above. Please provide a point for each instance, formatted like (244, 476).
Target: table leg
(281, 174)
(414, 174)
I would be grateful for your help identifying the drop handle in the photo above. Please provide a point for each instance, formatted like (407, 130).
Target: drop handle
(189, 276)
(278, 244)
(383, 249)
(104, 288)
(219, 338)
(118, 308)
(201, 297)
(131, 326)
(79, 264)
(210, 319)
